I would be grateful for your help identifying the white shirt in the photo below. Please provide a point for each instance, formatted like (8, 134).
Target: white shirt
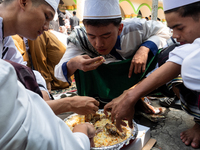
(188, 56)
(28, 123)
(61, 36)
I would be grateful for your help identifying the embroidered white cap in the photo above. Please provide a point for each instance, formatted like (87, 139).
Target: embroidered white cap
(171, 4)
(53, 3)
(101, 9)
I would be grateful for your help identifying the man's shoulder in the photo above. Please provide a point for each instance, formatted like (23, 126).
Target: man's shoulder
(76, 18)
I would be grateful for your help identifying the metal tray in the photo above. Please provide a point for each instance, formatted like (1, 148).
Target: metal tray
(118, 146)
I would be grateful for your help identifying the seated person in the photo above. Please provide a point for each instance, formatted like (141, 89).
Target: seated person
(11, 53)
(27, 122)
(128, 46)
(184, 18)
(77, 104)
(44, 53)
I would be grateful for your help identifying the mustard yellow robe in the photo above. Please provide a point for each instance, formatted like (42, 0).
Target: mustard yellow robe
(46, 52)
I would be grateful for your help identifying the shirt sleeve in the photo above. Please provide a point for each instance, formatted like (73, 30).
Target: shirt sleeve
(31, 123)
(181, 52)
(190, 71)
(155, 35)
(60, 70)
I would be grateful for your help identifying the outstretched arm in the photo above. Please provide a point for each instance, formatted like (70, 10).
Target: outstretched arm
(123, 107)
(82, 105)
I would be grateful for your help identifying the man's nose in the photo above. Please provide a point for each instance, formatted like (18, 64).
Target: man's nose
(176, 35)
(99, 42)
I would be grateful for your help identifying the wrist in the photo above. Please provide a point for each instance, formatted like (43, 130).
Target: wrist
(131, 98)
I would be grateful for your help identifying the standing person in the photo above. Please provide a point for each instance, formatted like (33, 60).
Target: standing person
(27, 122)
(61, 18)
(127, 46)
(74, 21)
(184, 18)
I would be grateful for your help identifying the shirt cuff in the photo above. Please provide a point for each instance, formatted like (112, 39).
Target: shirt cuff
(64, 69)
(151, 45)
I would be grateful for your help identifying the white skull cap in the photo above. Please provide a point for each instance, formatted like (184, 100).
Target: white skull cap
(53, 4)
(171, 4)
(101, 9)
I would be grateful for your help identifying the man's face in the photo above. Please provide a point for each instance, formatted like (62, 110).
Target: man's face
(35, 20)
(103, 38)
(185, 29)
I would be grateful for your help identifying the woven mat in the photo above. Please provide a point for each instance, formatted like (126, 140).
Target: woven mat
(71, 88)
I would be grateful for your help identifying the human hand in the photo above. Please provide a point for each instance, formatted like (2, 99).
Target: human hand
(85, 63)
(122, 108)
(139, 61)
(84, 105)
(88, 129)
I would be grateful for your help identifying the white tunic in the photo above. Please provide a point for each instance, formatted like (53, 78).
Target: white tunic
(188, 56)
(135, 33)
(28, 123)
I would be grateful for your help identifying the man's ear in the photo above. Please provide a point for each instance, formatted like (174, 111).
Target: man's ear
(23, 3)
(120, 28)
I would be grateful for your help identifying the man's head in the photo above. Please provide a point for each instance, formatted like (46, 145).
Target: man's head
(32, 16)
(103, 27)
(184, 18)
(74, 13)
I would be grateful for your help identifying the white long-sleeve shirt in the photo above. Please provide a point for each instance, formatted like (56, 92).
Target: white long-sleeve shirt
(28, 123)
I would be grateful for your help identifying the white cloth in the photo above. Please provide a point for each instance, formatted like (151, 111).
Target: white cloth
(190, 71)
(93, 9)
(171, 4)
(53, 4)
(61, 36)
(188, 57)
(28, 123)
(134, 33)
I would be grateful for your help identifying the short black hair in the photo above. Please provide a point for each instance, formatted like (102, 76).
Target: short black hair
(190, 10)
(74, 12)
(102, 22)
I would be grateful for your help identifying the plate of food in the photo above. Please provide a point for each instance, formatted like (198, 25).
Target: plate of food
(107, 137)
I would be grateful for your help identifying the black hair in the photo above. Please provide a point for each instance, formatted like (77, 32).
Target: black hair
(102, 22)
(74, 12)
(190, 10)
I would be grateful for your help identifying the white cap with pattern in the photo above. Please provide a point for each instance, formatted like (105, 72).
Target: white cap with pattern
(171, 4)
(101, 9)
(53, 3)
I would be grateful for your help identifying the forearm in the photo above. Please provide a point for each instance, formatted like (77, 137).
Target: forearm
(71, 68)
(61, 105)
(162, 75)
